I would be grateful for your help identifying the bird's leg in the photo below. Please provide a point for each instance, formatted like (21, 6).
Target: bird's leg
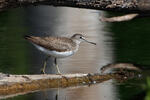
(57, 66)
(44, 66)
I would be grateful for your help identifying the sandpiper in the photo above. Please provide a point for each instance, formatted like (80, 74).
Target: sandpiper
(57, 47)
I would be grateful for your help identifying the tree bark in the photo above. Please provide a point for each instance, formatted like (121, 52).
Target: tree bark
(108, 5)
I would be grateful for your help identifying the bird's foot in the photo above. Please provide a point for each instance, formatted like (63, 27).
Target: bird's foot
(58, 73)
(42, 71)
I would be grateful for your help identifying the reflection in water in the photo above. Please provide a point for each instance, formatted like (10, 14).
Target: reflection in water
(131, 45)
(12, 47)
(89, 58)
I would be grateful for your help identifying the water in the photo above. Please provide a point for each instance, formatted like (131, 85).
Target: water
(116, 42)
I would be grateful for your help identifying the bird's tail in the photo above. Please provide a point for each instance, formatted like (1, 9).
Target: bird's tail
(32, 39)
(27, 37)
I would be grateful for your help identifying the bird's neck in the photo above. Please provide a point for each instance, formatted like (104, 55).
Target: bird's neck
(76, 41)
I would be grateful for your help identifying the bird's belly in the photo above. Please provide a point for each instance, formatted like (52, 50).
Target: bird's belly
(55, 53)
(59, 54)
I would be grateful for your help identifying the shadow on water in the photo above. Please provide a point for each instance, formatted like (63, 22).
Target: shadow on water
(117, 42)
(12, 47)
(131, 43)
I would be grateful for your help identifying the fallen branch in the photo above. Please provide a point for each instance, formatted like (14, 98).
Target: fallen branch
(11, 85)
(121, 66)
(119, 18)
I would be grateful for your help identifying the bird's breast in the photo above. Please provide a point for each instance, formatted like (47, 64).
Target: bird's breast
(54, 53)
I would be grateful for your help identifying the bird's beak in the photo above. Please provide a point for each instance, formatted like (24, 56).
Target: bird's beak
(89, 41)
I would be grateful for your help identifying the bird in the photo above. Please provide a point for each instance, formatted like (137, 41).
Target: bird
(57, 47)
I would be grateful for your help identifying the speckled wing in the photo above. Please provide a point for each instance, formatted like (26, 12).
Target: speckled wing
(59, 44)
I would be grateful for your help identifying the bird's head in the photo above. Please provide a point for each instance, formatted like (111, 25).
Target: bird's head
(78, 38)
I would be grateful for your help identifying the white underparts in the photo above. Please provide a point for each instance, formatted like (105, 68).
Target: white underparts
(55, 53)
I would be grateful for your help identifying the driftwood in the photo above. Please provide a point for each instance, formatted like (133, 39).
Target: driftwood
(126, 17)
(12, 85)
(108, 5)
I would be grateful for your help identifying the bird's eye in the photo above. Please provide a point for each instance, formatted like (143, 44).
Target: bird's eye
(80, 37)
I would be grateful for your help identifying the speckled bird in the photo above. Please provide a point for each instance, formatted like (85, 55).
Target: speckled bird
(57, 47)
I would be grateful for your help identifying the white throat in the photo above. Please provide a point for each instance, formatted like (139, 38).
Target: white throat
(77, 41)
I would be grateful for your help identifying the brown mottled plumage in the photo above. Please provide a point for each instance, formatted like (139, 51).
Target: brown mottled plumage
(58, 47)
(59, 44)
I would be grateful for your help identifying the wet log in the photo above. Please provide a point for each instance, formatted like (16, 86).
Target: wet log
(108, 5)
(126, 17)
(11, 85)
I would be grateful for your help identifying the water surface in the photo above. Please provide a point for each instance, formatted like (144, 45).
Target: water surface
(116, 42)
